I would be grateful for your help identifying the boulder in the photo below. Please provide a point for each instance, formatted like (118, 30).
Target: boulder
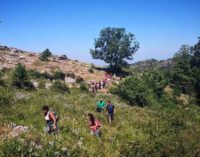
(21, 57)
(183, 99)
(63, 57)
(16, 131)
(69, 80)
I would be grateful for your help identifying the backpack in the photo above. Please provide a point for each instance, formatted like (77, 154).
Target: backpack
(56, 116)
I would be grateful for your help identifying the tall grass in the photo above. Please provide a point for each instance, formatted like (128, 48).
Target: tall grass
(149, 131)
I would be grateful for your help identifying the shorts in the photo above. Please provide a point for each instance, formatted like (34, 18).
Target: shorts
(51, 130)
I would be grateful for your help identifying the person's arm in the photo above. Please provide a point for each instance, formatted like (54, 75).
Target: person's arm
(97, 104)
(104, 106)
(54, 120)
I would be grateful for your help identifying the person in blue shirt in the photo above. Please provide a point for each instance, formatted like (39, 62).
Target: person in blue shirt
(110, 108)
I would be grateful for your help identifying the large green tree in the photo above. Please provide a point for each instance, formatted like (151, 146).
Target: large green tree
(114, 46)
(195, 63)
(181, 70)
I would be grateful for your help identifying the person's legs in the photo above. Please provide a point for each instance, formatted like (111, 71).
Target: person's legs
(109, 118)
(97, 133)
(92, 132)
(112, 116)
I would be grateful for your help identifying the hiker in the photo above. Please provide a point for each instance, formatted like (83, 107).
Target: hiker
(100, 85)
(104, 83)
(110, 108)
(96, 86)
(93, 88)
(100, 105)
(51, 120)
(94, 125)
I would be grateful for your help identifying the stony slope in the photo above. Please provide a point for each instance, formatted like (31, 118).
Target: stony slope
(9, 57)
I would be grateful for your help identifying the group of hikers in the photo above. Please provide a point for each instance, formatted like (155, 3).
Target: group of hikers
(101, 84)
(94, 124)
(98, 86)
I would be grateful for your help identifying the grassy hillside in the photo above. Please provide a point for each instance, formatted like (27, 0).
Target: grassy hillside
(168, 130)
(167, 123)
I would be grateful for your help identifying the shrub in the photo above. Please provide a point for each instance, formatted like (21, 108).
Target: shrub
(134, 91)
(42, 84)
(46, 75)
(83, 87)
(92, 65)
(60, 87)
(79, 79)
(20, 78)
(70, 74)
(5, 97)
(59, 75)
(34, 74)
(1, 78)
(91, 70)
(45, 55)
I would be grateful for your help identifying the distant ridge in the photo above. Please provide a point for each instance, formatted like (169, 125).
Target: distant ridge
(152, 64)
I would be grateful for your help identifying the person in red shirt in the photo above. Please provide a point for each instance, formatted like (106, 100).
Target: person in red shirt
(94, 125)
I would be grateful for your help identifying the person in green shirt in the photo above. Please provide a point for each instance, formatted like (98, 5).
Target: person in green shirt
(100, 105)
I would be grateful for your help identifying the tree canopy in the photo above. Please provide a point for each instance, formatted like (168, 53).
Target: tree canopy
(114, 46)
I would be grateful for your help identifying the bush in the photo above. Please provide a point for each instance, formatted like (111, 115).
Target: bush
(91, 70)
(20, 78)
(79, 79)
(59, 75)
(34, 74)
(134, 91)
(1, 78)
(44, 56)
(60, 87)
(70, 74)
(42, 84)
(83, 87)
(46, 75)
(92, 65)
(5, 97)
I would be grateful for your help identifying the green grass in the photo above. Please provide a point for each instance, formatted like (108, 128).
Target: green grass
(150, 131)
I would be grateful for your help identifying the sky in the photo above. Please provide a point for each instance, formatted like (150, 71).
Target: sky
(70, 26)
